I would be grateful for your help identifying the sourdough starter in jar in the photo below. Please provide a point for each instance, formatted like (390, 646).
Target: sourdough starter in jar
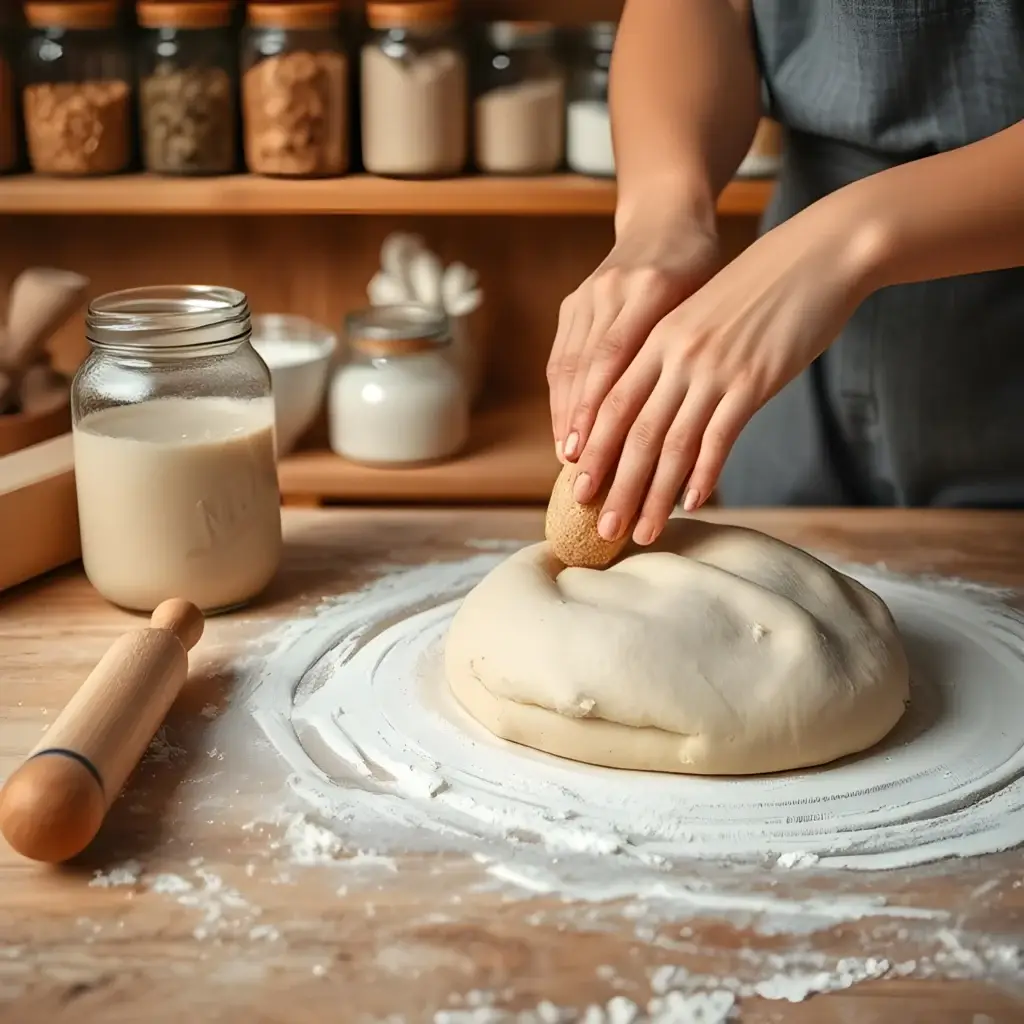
(398, 401)
(173, 427)
(179, 497)
(414, 90)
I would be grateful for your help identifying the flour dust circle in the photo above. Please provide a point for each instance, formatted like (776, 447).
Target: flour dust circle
(374, 733)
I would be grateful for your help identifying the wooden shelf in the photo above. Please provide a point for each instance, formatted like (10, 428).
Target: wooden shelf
(553, 195)
(511, 458)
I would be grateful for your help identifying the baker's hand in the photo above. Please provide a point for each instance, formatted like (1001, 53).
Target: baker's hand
(673, 414)
(656, 262)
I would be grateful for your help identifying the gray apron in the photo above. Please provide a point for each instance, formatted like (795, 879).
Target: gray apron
(920, 401)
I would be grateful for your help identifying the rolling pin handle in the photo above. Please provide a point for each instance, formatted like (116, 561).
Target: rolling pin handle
(182, 618)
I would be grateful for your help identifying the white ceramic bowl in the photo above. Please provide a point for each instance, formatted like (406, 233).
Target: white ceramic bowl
(298, 354)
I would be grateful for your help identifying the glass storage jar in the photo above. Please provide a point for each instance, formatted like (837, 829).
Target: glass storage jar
(520, 100)
(77, 91)
(398, 401)
(588, 124)
(295, 90)
(173, 429)
(414, 90)
(8, 97)
(187, 84)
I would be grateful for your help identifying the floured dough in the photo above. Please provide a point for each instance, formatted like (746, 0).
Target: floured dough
(718, 650)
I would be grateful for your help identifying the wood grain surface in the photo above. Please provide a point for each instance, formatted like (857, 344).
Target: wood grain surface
(401, 945)
(548, 195)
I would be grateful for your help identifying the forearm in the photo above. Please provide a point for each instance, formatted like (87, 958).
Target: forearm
(685, 101)
(960, 212)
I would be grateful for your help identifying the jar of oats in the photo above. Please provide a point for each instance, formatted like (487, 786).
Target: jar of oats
(187, 79)
(413, 88)
(77, 94)
(8, 99)
(295, 97)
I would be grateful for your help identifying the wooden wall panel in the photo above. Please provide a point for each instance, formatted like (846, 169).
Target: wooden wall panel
(319, 266)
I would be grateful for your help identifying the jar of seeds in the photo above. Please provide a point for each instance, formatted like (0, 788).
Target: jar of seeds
(77, 93)
(187, 87)
(295, 94)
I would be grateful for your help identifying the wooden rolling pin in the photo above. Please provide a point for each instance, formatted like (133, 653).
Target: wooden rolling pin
(54, 804)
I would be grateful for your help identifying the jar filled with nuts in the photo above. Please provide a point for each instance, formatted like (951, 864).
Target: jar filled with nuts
(77, 91)
(295, 93)
(414, 93)
(8, 103)
(187, 81)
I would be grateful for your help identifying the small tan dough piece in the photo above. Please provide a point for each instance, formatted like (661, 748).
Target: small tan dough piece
(571, 528)
(716, 651)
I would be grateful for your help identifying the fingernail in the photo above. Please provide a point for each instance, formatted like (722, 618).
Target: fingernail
(571, 444)
(692, 500)
(608, 526)
(582, 488)
(644, 532)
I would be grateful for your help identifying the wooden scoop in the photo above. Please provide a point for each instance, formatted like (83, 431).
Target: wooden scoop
(54, 804)
(40, 301)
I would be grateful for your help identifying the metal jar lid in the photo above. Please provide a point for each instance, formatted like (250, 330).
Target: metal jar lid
(397, 330)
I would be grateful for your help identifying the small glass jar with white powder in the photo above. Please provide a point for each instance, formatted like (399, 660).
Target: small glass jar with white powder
(588, 124)
(398, 401)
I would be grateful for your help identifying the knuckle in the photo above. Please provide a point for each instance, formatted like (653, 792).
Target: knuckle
(679, 445)
(615, 404)
(643, 435)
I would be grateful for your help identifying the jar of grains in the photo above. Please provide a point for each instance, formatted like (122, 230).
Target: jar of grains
(187, 80)
(588, 128)
(520, 101)
(414, 90)
(295, 89)
(77, 92)
(173, 430)
(8, 101)
(398, 401)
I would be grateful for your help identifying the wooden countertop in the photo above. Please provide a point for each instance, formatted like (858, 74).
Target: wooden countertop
(285, 945)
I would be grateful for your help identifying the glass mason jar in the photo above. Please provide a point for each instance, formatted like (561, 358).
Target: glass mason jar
(588, 124)
(188, 71)
(398, 401)
(173, 427)
(77, 89)
(414, 90)
(8, 96)
(295, 90)
(520, 100)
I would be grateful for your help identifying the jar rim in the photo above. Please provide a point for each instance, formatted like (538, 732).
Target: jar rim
(89, 14)
(168, 317)
(298, 14)
(400, 329)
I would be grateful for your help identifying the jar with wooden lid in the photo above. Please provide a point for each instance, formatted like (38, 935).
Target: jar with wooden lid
(173, 431)
(77, 91)
(520, 100)
(295, 89)
(588, 122)
(414, 90)
(8, 97)
(188, 80)
(398, 401)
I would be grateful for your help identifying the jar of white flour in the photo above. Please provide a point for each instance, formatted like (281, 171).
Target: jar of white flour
(588, 127)
(414, 90)
(398, 401)
(173, 427)
(520, 100)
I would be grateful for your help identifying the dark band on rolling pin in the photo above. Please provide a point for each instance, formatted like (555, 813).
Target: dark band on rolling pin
(75, 756)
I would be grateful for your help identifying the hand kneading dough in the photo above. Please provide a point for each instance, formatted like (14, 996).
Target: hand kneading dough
(717, 651)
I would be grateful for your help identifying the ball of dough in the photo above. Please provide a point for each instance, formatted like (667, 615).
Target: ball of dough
(716, 651)
(571, 528)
